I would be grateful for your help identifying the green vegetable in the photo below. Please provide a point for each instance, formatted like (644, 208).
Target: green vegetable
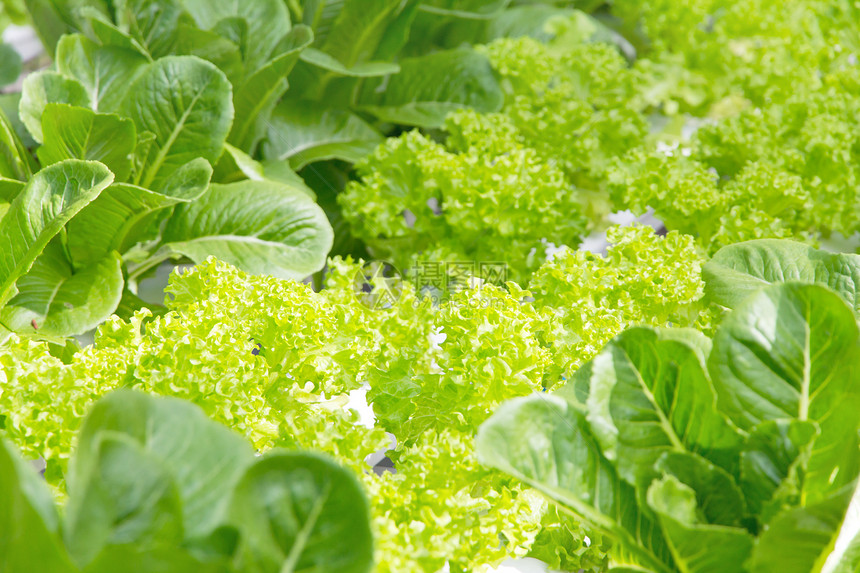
(155, 484)
(431, 393)
(670, 442)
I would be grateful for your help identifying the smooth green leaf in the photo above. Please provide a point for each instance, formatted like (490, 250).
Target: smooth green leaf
(211, 46)
(784, 353)
(28, 520)
(696, 547)
(361, 70)
(155, 24)
(429, 87)
(79, 133)
(202, 457)
(236, 165)
(42, 88)
(9, 189)
(468, 9)
(260, 227)
(133, 558)
(122, 215)
(775, 451)
(305, 132)
(15, 162)
(301, 512)
(545, 442)
(186, 102)
(360, 28)
(650, 394)
(60, 300)
(51, 198)
(800, 539)
(257, 97)
(267, 22)
(105, 72)
(124, 495)
(719, 500)
(737, 271)
(790, 351)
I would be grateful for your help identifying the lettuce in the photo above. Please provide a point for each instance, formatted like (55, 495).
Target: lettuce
(669, 442)
(155, 484)
(277, 361)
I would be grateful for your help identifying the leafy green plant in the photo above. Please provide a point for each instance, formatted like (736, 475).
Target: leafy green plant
(277, 362)
(738, 270)
(107, 104)
(739, 453)
(155, 485)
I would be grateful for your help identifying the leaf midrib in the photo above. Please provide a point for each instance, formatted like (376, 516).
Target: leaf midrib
(180, 125)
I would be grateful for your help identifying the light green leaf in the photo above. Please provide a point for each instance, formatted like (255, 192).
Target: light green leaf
(772, 459)
(301, 512)
(697, 547)
(267, 22)
(360, 70)
(10, 64)
(545, 442)
(51, 198)
(28, 520)
(60, 300)
(305, 132)
(790, 351)
(202, 457)
(125, 495)
(718, 498)
(120, 217)
(737, 271)
(360, 29)
(800, 539)
(649, 394)
(105, 72)
(211, 46)
(260, 227)
(429, 87)
(468, 9)
(257, 97)
(15, 162)
(42, 88)
(236, 165)
(79, 133)
(186, 103)
(783, 353)
(155, 24)
(9, 189)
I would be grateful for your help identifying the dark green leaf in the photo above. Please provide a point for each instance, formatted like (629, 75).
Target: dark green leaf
(256, 99)
(697, 547)
(124, 495)
(105, 72)
(429, 87)
(10, 64)
(305, 132)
